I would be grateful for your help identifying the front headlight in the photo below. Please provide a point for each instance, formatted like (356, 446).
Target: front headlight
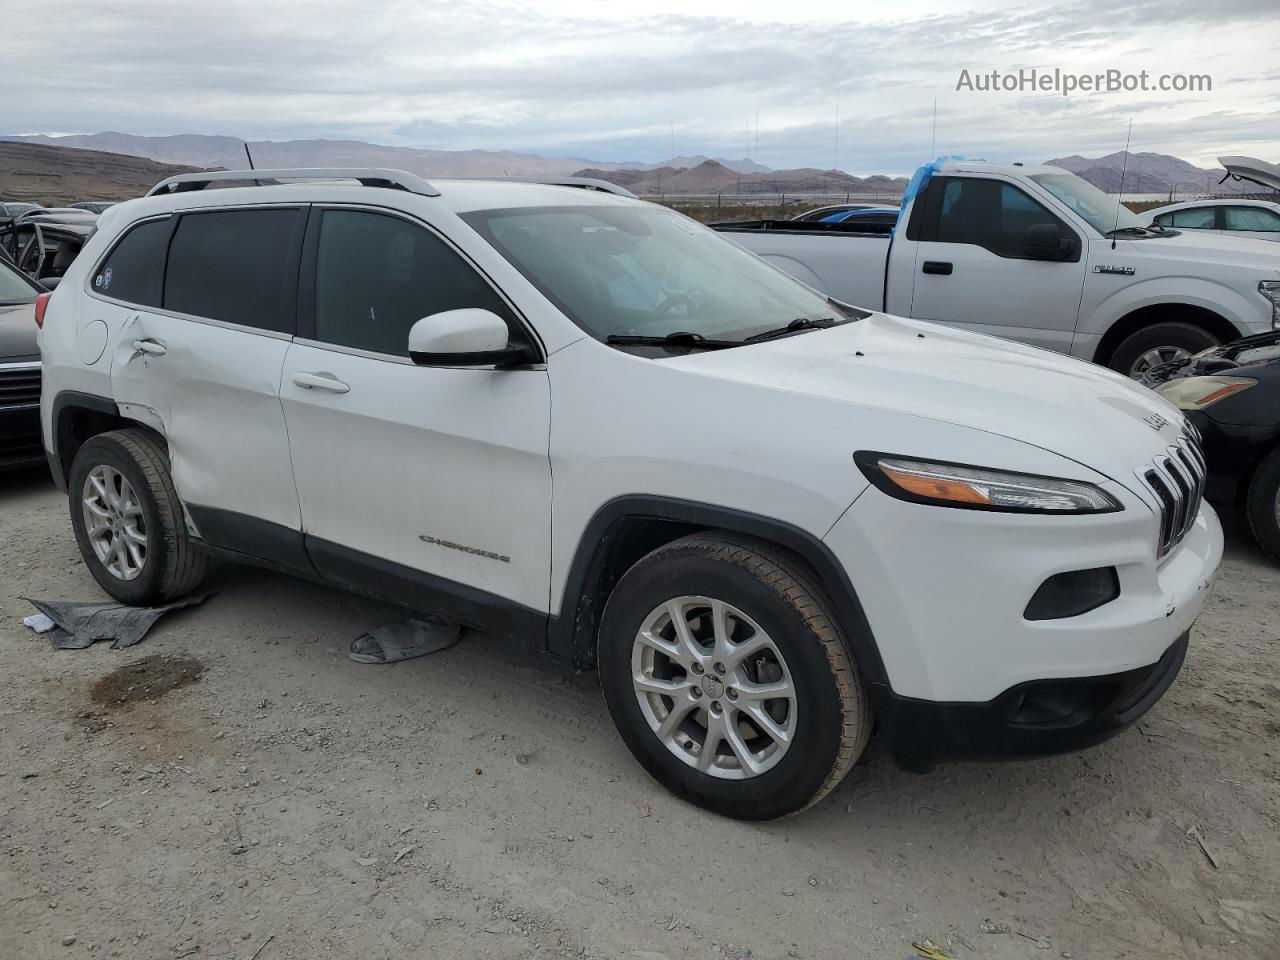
(977, 488)
(1196, 393)
(1271, 290)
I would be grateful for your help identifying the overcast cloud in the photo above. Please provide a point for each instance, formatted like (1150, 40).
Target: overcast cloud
(615, 81)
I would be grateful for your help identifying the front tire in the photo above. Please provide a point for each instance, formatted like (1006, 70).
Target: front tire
(128, 520)
(728, 679)
(1159, 343)
(1262, 504)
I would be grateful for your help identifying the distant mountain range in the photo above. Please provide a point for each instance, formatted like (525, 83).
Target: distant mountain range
(42, 168)
(1150, 173)
(198, 150)
(713, 177)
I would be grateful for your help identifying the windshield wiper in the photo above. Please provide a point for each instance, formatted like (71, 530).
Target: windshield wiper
(800, 323)
(1128, 230)
(680, 338)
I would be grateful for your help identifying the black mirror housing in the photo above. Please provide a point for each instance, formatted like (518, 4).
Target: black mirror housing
(513, 356)
(1046, 241)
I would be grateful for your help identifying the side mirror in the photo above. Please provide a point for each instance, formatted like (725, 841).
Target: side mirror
(50, 283)
(1043, 241)
(465, 338)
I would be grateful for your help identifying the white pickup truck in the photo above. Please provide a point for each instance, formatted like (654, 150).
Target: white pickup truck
(1036, 254)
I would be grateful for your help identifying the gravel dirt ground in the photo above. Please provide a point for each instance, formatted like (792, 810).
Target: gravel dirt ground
(236, 787)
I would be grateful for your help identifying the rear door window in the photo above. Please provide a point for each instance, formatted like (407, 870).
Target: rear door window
(133, 270)
(237, 266)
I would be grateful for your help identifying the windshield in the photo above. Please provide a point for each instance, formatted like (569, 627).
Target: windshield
(1090, 203)
(13, 288)
(646, 271)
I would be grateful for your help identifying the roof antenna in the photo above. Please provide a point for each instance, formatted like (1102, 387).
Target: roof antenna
(249, 155)
(1124, 165)
(933, 133)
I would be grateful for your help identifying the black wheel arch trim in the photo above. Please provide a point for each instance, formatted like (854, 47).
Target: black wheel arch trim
(63, 400)
(571, 633)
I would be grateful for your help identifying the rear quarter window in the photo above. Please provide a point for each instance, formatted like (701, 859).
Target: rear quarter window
(132, 270)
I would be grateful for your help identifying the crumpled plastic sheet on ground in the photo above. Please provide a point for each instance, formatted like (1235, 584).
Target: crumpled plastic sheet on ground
(80, 625)
(405, 640)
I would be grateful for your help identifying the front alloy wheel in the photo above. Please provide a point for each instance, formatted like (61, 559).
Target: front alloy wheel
(728, 679)
(714, 687)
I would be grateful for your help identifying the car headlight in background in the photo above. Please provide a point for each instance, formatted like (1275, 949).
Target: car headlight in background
(977, 488)
(1271, 290)
(1196, 393)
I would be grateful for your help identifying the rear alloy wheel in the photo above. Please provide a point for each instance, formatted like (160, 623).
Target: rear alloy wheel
(128, 519)
(114, 523)
(1262, 505)
(727, 678)
(1157, 344)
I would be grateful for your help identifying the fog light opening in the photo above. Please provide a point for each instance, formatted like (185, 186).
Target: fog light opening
(1073, 593)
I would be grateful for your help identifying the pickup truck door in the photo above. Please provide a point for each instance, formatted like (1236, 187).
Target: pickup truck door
(973, 268)
(426, 483)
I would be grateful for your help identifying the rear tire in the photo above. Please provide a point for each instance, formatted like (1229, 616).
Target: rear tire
(128, 520)
(777, 656)
(1159, 343)
(1262, 504)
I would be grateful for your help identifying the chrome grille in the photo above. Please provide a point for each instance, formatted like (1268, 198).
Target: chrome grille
(1176, 478)
(19, 385)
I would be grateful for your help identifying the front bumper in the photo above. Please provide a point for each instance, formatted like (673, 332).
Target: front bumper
(20, 443)
(1037, 718)
(945, 592)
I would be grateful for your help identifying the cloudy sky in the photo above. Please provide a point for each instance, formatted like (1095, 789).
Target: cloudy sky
(638, 81)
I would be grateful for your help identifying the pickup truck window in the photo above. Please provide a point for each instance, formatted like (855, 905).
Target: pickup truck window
(1102, 211)
(636, 271)
(1257, 219)
(988, 214)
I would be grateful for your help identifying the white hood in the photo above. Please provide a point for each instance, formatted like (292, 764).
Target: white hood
(1201, 252)
(1075, 409)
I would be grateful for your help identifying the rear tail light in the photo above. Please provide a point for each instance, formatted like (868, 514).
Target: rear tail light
(42, 303)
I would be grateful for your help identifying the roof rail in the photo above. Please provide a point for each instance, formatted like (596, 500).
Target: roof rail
(584, 183)
(367, 177)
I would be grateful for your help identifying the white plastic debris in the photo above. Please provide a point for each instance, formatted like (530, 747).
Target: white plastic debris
(39, 622)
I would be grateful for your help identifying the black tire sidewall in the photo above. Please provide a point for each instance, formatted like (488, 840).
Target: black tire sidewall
(1260, 504)
(147, 587)
(802, 772)
(1168, 334)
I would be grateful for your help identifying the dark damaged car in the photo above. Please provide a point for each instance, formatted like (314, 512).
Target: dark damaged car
(19, 371)
(1232, 395)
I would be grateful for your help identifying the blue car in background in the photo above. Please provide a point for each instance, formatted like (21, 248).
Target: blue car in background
(879, 216)
(870, 214)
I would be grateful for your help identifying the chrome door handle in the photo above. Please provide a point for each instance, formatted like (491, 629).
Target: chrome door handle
(150, 347)
(321, 381)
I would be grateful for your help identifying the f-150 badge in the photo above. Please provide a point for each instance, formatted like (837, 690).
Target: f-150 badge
(1108, 268)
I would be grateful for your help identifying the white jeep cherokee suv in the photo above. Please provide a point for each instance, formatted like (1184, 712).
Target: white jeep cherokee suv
(769, 520)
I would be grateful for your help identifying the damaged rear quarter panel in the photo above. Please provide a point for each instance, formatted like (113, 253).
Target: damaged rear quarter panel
(214, 395)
